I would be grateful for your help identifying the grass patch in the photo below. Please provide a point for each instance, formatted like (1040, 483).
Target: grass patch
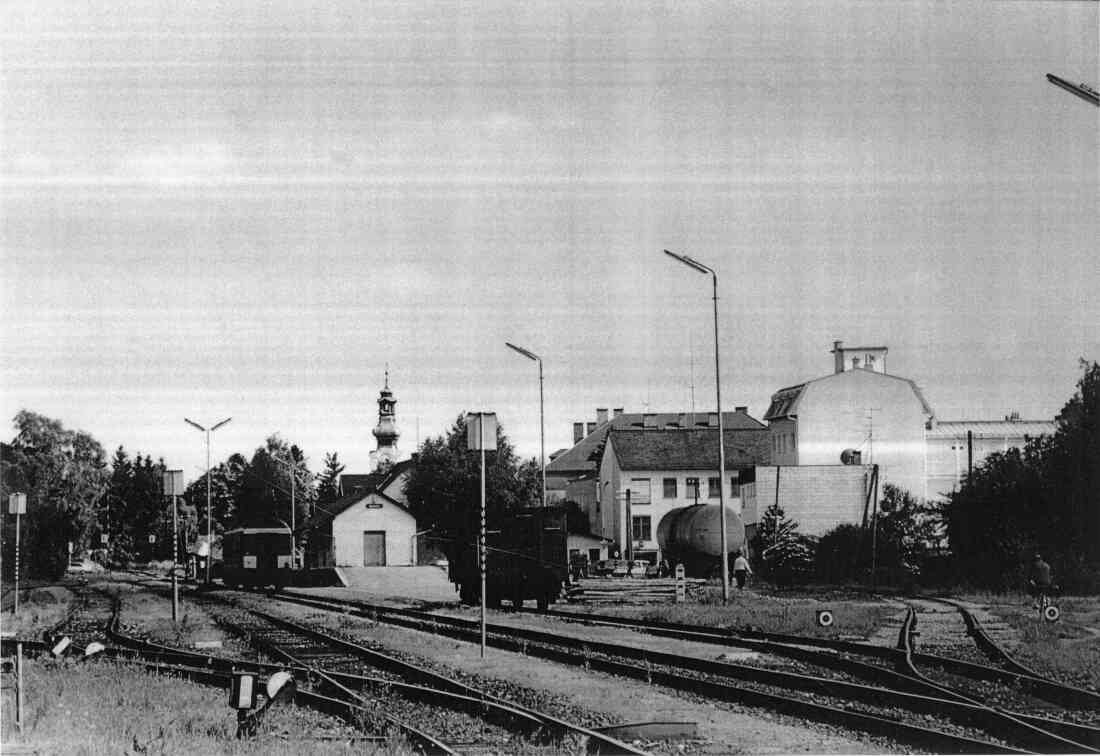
(774, 614)
(102, 707)
(39, 609)
(1067, 650)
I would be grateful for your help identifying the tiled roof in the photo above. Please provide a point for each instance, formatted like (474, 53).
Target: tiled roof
(578, 459)
(688, 449)
(992, 428)
(363, 482)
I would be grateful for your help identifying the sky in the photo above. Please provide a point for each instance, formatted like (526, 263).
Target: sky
(253, 210)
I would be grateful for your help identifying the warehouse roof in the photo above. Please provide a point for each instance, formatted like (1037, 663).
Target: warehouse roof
(785, 401)
(992, 428)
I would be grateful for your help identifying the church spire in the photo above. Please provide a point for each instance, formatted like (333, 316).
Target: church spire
(385, 431)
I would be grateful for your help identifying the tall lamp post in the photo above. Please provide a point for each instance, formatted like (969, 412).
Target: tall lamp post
(209, 516)
(542, 422)
(696, 265)
(293, 546)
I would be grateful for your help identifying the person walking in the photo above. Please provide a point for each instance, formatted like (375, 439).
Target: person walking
(741, 570)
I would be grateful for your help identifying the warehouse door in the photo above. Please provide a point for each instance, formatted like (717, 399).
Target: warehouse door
(374, 548)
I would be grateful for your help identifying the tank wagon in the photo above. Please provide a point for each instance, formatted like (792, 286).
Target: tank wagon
(692, 536)
(256, 557)
(526, 558)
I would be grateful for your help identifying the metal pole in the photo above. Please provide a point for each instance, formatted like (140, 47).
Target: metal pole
(17, 528)
(293, 546)
(19, 687)
(481, 547)
(629, 532)
(175, 557)
(542, 438)
(721, 453)
(209, 516)
(691, 263)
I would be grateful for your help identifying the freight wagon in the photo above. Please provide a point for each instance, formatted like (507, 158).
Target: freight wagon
(526, 559)
(256, 557)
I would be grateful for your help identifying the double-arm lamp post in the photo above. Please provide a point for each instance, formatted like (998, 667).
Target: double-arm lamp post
(209, 517)
(695, 264)
(542, 422)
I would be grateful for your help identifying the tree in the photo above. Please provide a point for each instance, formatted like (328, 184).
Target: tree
(266, 490)
(64, 474)
(328, 483)
(226, 482)
(1043, 497)
(443, 487)
(787, 556)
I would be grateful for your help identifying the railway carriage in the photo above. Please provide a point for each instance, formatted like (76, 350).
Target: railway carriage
(526, 558)
(257, 557)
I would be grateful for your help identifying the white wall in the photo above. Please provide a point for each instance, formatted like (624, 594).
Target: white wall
(398, 524)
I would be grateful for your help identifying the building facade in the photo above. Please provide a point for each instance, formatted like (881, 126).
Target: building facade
(952, 446)
(646, 473)
(880, 419)
(371, 526)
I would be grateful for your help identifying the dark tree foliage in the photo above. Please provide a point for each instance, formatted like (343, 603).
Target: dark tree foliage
(64, 475)
(1044, 497)
(443, 487)
(265, 492)
(785, 556)
(906, 534)
(328, 483)
(226, 481)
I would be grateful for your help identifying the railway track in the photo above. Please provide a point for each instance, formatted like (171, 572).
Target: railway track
(893, 707)
(385, 694)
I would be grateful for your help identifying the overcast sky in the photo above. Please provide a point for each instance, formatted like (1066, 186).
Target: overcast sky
(249, 209)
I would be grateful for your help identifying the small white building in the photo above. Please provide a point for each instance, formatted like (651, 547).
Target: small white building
(370, 526)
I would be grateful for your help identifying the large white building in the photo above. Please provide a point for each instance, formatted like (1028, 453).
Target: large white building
(880, 418)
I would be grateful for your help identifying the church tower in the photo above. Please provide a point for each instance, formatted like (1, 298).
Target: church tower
(386, 431)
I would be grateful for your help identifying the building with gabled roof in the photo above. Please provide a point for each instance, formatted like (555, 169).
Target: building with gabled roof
(646, 472)
(369, 526)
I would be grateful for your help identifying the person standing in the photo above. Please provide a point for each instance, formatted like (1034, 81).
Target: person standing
(741, 570)
(1039, 579)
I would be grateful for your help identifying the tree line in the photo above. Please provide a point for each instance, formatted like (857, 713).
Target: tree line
(114, 508)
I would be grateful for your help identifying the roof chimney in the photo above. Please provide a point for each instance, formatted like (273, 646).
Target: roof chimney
(649, 420)
(591, 428)
(601, 415)
(578, 432)
(838, 356)
(616, 412)
(743, 410)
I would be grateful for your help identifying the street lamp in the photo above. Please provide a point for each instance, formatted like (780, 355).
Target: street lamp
(542, 423)
(695, 264)
(293, 545)
(209, 516)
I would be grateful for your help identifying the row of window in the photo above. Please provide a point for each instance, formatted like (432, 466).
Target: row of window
(670, 488)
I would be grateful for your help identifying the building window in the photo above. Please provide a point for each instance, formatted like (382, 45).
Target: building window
(670, 488)
(641, 528)
(639, 491)
(713, 488)
(692, 489)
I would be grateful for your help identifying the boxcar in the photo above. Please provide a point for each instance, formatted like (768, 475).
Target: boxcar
(256, 557)
(526, 559)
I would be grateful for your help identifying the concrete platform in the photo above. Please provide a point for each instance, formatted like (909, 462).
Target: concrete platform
(418, 583)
